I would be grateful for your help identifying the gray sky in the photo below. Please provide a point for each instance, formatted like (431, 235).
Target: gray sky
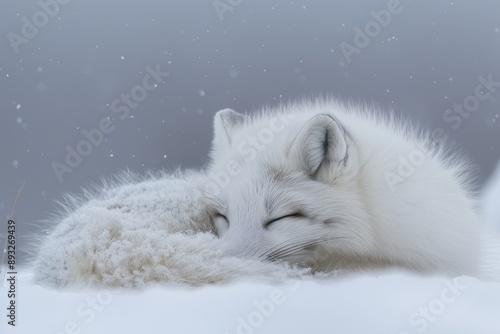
(59, 80)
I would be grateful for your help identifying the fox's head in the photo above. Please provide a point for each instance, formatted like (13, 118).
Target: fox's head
(285, 187)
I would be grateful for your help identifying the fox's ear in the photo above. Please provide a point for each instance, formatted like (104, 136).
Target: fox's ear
(322, 147)
(224, 122)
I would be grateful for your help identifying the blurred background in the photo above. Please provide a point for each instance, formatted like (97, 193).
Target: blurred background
(90, 88)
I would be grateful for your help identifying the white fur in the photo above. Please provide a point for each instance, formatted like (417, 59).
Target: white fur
(491, 236)
(491, 202)
(137, 233)
(328, 161)
(339, 167)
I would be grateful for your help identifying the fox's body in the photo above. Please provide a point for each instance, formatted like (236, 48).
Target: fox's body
(335, 186)
(323, 186)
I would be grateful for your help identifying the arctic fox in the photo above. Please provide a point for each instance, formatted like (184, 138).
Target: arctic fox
(338, 186)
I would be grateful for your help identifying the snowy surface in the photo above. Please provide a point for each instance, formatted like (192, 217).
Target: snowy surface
(393, 303)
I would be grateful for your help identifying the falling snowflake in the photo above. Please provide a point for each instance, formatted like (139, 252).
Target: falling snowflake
(233, 74)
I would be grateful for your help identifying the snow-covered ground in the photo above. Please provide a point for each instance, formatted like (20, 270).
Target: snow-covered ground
(394, 303)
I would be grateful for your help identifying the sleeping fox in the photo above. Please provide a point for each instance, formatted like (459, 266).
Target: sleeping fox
(335, 186)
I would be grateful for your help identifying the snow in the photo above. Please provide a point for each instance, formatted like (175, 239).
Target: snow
(394, 303)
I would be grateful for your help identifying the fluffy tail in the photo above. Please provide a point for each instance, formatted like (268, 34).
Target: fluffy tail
(491, 214)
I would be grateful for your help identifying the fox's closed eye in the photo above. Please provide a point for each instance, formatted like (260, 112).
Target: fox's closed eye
(292, 215)
(221, 223)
